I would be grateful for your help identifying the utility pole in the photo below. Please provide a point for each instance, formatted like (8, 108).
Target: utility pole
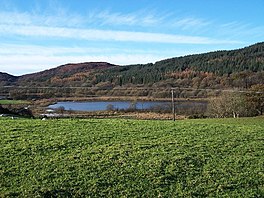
(173, 103)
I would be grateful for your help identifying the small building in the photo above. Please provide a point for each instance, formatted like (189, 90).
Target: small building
(50, 110)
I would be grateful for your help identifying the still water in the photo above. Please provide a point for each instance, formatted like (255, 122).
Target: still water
(124, 105)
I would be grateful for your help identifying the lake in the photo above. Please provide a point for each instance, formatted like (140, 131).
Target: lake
(125, 105)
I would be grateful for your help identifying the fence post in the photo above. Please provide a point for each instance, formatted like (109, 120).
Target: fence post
(173, 103)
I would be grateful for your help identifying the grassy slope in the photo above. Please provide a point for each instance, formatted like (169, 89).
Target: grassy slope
(115, 158)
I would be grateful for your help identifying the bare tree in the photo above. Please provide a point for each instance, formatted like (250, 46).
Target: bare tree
(61, 110)
(256, 99)
(228, 105)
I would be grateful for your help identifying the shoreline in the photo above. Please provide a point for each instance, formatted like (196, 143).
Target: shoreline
(129, 98)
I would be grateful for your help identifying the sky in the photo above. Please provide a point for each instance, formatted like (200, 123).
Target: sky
(36, 35)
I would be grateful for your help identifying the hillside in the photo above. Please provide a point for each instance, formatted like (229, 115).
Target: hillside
(220, 63)
(63, 75)
(6, 79)
(230, 69)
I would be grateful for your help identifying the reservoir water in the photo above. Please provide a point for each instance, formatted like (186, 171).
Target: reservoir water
(124, 105)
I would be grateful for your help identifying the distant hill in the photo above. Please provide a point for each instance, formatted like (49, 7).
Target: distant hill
(220, 62)
(7, 79)
(67, 74)
(228, 69)
(248, 59)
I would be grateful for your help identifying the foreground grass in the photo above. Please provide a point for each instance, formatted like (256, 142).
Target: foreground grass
(129, 158)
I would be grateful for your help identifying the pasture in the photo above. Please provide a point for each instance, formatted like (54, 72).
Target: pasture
(13, 102)
(132, 158)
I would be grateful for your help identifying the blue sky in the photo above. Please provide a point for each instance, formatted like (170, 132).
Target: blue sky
(40, 34)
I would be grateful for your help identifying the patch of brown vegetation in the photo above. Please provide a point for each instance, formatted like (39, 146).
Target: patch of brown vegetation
(151, 116)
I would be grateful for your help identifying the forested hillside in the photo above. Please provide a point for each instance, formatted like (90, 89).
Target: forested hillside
(6, 79)
(234, 69)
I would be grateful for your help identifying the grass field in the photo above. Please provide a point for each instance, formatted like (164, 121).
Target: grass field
(130, 158)
(13, 102)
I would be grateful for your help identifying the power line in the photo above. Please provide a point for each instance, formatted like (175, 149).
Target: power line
(133, 89)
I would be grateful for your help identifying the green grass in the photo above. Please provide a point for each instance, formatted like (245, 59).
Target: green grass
(13, 102)
(129, 158)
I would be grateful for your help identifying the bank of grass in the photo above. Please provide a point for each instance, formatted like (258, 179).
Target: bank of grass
(132, 158)
(13, 102)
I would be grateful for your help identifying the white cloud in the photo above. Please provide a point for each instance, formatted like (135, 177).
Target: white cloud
(106, 35)
(106, 17)
(65, 19)
(25, 18)
(11, 49)
(140, 18)
(238, 29)
(65, 25)
(190, 22)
